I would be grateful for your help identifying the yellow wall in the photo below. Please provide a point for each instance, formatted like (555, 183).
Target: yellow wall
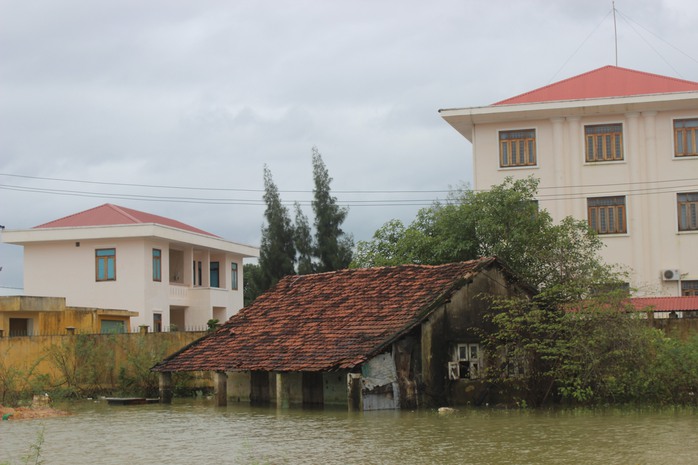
(34, 353)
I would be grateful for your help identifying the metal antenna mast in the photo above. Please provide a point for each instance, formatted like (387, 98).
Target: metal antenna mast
(615, 30)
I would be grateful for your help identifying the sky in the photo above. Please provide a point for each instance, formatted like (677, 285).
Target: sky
(174, 107)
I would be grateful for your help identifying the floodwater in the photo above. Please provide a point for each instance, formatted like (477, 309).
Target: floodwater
(195, 431)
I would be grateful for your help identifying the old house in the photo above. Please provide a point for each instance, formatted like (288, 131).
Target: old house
(172, 274)
(614, 146)
(371, 338)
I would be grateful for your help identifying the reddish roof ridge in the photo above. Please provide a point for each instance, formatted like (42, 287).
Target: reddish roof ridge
(520, 98)
(113, 215)
(121, 210)
(72, 215)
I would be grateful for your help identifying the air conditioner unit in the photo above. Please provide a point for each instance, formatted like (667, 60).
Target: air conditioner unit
(670, 275)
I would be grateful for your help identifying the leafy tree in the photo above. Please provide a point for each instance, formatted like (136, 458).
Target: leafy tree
(253, 282)
(333, 248)
(277, 251)
(303, 241)
(504, 222)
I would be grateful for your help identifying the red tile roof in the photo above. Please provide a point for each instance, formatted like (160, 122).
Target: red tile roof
(111, 215)
(609, 81)
(666, 304)
(325, 321)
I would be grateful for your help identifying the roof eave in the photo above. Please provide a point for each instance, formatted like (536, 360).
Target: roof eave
(464, 120)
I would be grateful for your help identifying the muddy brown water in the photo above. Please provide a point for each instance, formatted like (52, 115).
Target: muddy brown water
(195, 431)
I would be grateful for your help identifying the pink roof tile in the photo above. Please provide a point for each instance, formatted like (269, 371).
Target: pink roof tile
(608, 81)
(666, 304)
(325, 321)
(111, 215)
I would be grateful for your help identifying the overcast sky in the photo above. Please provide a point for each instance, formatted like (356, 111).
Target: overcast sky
(201, 94)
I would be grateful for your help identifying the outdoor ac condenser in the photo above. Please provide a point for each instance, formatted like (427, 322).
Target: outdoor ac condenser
(670, 275)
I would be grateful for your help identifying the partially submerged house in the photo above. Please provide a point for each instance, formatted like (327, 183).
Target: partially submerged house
(172, 274)
(370, 338)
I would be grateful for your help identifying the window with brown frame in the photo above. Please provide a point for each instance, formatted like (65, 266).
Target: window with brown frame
(105, 264)
(689, 288)
(517, 148)
(607, 215)
(685, 137)
(604, 142)
(688, 211)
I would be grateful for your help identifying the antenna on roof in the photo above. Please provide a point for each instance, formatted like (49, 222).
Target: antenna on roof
(615, 30)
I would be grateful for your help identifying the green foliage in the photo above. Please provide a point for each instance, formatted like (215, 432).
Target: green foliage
(304, 242)
(212, 324)
(597, 351)
(289, 249)
(503, 222)
(17, 383)
(277, 251)
(142, 353)
(85, 363)
(333, 248)
(253, 282)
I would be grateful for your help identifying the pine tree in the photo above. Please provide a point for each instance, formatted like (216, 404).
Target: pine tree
(304, 242)
(277, 251)
(333, 247)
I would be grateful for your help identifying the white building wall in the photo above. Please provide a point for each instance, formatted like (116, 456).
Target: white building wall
(647, 176)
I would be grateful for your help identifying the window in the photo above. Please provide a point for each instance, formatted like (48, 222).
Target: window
(517, 148)
(467, 364)
(685, 137)
(688, 211)
(112, 327)
(689, 288)
(157, 265)
(105, 264)
(604, 142)
(607, 215)
(215, 275)
(234, 275)
(157, 322)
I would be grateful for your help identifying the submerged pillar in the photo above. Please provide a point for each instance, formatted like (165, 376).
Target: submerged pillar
(354, 400)
(221, 388)
(283, 390)
(165, 382)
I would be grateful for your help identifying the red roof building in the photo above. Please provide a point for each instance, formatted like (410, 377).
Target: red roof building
(615, 147)
(171, 274)
(393, 327)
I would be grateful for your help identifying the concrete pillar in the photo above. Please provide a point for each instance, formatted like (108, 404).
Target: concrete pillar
(165, 382)
(558, 162)
(354, 400)
(283, 390)
(221, 388)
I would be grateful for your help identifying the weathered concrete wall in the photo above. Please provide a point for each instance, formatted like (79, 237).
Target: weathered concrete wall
(239, 386)
(23, 353)
(335, 388)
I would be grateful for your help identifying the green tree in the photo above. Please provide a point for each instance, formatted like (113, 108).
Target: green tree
(504, 222)
(303, 241)
(333, 247)
(277, 252)
(253, 282)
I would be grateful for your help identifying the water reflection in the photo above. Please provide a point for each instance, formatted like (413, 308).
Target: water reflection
(197, 432)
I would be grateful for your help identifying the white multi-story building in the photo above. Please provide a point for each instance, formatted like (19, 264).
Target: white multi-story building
(172, 274)
(614, 146)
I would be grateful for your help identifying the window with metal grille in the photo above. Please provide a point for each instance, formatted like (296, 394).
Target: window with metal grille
(688, 211)
(517, 148)
(607, 215)
(157, 265)
(604, 142)
(689, 288)
(685, 137)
